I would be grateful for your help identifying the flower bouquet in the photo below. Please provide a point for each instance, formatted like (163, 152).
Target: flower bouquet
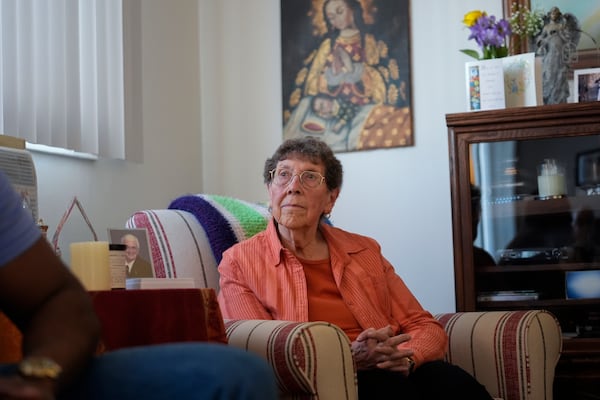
(490, 34)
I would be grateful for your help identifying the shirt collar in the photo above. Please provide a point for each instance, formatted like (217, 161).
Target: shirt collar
(340, 243)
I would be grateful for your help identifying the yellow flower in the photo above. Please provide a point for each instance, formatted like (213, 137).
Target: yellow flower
(472, 16)
(371, 51)
(384, 72)
(301, 76)
(394, 69)
(295, 97)
(393, 94)
(383, 48)
(310, 57)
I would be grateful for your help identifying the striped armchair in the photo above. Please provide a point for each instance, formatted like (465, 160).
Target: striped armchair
(512, 353)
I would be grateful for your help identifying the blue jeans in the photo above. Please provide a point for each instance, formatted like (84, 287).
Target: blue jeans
(176, 371)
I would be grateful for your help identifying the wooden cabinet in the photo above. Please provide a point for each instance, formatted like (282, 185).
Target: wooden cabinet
(515, 249)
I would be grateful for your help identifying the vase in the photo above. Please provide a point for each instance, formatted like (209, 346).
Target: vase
(521, 44)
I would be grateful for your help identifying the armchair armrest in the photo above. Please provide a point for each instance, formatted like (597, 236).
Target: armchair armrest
(513, 353)
(309, 358)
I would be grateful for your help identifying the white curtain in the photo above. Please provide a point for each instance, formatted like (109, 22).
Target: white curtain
(61, 74)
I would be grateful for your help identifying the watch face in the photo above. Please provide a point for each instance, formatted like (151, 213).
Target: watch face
(39, 367)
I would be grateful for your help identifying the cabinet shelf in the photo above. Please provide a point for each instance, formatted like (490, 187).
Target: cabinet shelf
(494, 199)
(532, 206)
(480, 270)
(535, 304)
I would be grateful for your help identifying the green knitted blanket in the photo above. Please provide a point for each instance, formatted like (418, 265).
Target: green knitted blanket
(226, 220)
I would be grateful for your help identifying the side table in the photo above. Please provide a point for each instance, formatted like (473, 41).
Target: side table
(141, 317)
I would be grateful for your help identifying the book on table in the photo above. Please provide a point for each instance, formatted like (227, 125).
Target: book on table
(160, 283)
(508, 295)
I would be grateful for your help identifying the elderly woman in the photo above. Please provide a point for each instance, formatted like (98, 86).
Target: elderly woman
(303, 269)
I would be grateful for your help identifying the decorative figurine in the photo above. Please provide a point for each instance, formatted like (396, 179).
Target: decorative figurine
(557, 44)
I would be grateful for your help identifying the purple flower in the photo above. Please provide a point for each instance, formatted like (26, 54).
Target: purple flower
(489, 34)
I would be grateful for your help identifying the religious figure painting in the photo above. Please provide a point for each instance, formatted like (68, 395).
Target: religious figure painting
(346, 72)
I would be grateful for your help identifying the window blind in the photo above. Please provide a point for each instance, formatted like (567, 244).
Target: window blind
(61, 74)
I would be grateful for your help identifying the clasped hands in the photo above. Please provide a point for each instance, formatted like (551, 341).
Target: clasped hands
(378, 348)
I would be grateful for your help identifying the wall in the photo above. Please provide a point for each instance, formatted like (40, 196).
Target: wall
(229, 90)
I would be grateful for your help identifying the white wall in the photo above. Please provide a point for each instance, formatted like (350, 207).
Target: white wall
(230, 92)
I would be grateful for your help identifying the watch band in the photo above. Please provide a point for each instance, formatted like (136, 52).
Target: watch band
(39, 367)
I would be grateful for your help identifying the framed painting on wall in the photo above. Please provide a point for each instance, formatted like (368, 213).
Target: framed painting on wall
(587, 13)
(346, 72)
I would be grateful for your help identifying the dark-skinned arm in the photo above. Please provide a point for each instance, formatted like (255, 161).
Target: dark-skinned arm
(54, 313)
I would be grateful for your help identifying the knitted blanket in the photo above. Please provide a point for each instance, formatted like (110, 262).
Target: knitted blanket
(226, 220)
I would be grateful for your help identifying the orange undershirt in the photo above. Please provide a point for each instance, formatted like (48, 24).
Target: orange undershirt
(325, 302)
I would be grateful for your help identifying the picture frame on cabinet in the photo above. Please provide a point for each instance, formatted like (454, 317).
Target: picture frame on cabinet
(583, 284)
(586, 84)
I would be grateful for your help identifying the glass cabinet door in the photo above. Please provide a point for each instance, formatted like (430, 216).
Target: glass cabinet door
(536, 219)
(521, 224)
(525, 196)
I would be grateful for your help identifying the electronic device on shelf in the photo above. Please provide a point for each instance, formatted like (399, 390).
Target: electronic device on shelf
(541, 255)
(508, 295)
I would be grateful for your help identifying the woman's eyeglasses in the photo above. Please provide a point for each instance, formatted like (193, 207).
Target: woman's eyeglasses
(308, 179)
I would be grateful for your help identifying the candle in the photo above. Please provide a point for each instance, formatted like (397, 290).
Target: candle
(90, 263)
(551, 179)
(551, 185)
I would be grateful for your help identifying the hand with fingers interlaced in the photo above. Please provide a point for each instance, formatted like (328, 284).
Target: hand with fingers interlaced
(378, 348)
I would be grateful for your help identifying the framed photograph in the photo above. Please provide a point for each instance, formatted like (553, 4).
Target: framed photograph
(346, 72)
(586, 84)
(587, 13)
(587, 168)
(137, 254)
(583, 285)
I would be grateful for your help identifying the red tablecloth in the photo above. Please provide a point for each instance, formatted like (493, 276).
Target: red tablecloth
(151, 316)
(142, 317)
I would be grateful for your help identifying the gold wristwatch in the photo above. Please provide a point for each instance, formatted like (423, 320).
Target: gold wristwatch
(39, 367)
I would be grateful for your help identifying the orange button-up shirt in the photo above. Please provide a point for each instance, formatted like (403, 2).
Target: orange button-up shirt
(260, 279)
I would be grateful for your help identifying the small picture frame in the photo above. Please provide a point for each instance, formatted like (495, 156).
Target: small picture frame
(587, 168)
(586, 84)
(583, 284)
(138, 257)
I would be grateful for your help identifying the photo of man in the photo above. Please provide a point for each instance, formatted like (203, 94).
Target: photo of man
(138, 261)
